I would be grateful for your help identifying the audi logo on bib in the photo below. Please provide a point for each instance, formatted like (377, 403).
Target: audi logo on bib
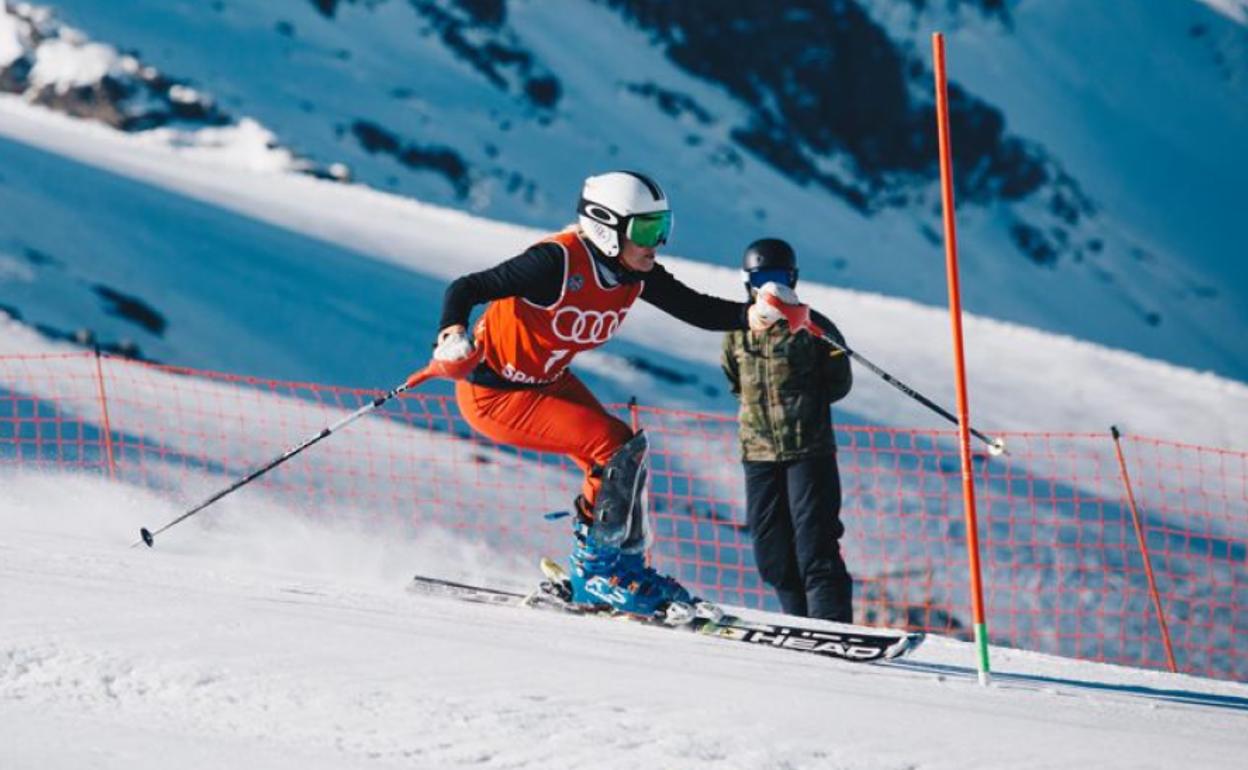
(586, 327)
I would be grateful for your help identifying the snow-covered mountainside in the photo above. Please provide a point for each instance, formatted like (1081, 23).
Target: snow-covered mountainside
(176, 255)
(1098, 160)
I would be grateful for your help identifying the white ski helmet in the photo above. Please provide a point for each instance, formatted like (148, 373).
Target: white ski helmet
(624, 203)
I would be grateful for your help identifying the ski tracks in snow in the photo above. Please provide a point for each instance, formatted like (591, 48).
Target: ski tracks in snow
(216, 647)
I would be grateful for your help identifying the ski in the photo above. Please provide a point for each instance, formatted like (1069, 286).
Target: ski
(854, 643)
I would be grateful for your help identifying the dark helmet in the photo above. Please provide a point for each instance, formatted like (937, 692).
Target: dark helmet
(767, 260)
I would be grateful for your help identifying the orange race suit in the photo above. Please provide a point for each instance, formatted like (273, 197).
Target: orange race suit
(558, 298)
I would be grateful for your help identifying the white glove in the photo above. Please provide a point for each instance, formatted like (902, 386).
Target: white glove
(763, 315)
(454, 344)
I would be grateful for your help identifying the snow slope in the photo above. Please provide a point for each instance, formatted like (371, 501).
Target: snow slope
(430, 99)
(1162, 160)
(274, 260)
(269, 642)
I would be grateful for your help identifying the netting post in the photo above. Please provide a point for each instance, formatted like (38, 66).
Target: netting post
(1139, 536)
(108, 431)
(955, 315)
(634, 422)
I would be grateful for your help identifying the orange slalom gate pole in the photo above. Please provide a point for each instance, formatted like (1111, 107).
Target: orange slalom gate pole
(955, 316)
(1148, 563)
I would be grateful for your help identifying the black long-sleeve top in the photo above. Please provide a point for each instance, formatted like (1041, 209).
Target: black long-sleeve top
(537, 275)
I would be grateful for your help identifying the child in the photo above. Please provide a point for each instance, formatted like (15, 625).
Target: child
(786, 383)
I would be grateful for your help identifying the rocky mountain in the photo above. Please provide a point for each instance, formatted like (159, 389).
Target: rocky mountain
(812, 120)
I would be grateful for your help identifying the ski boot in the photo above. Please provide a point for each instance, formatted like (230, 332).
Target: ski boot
(619, 579)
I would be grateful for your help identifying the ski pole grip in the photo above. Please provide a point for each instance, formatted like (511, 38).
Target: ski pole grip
(450, 370)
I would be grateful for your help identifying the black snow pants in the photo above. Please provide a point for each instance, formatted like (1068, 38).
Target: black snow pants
(794, 514)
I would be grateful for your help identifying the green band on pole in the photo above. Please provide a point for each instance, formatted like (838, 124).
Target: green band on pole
(981, 647)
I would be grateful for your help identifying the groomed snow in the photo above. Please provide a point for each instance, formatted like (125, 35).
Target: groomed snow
(258, 640)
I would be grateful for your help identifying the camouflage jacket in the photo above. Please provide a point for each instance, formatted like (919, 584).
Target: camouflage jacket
(786, 384)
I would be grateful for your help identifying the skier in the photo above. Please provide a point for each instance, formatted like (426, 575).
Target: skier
(786, 381)
(566, 294)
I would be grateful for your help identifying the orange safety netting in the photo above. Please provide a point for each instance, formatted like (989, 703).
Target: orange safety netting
(1063, 570)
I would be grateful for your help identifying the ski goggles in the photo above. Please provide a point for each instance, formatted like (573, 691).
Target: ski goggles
(649, 230)
(756, 279)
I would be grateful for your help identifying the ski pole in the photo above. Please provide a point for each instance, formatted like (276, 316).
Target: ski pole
(996, 446)
(453, 370)
(799, 318)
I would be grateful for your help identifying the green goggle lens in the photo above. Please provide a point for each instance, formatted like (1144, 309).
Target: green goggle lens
(649, 230)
